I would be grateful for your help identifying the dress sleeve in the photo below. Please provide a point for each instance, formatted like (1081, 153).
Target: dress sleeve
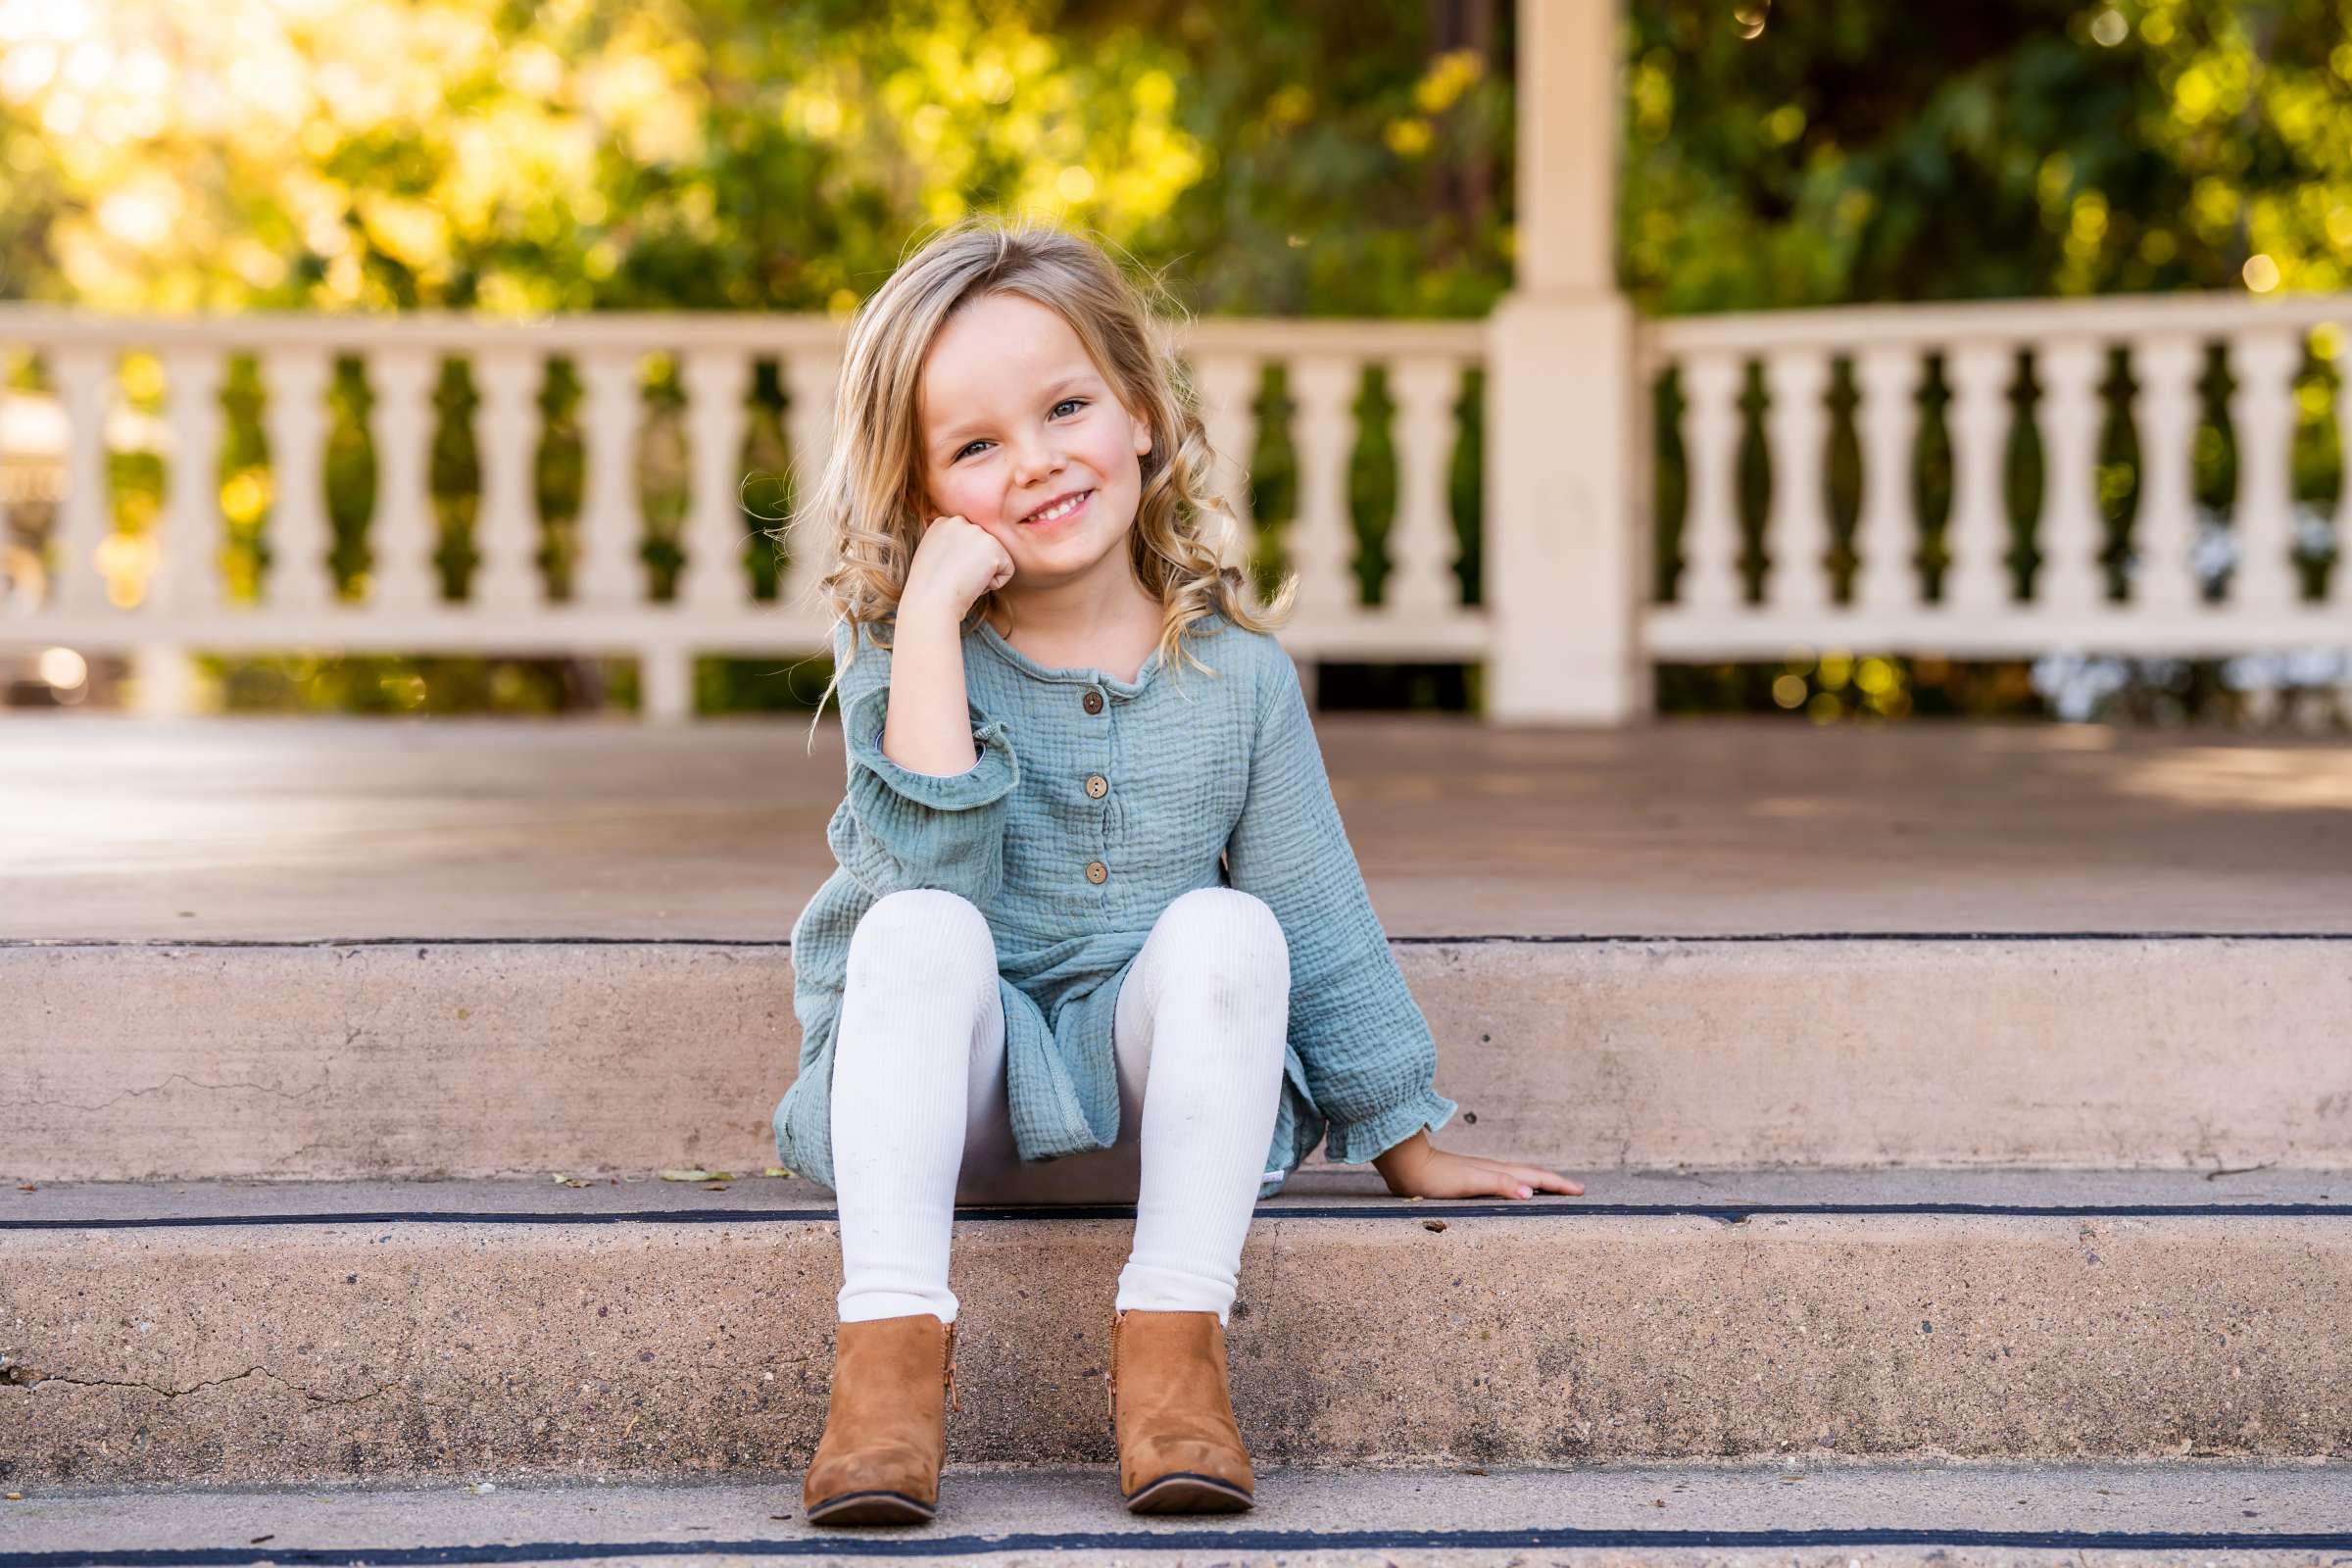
(897, 828)
(1361, 1036)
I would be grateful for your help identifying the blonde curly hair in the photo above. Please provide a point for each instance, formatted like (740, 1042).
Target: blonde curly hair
(864, 513)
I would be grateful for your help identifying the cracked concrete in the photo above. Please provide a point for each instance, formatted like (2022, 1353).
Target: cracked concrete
(33, 1377)
(176, 1079)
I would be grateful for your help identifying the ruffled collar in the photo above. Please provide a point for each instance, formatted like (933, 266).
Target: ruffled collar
(1083, 677)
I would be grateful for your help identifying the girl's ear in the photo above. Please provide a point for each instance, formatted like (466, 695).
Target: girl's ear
(1142, 435)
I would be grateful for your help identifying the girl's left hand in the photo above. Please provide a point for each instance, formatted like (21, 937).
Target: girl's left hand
(1418, 1169)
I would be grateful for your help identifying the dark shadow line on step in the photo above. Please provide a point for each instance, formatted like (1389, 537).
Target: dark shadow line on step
(839, 1544)
(1727, 1213)
(1507, 938)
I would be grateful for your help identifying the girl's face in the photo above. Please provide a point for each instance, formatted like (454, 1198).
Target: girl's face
(1016, 421)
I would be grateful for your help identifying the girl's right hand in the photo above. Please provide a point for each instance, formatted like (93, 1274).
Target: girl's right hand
(955, 563)
(1419, 1168)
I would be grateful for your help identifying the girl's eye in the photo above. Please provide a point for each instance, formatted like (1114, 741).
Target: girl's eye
(1057, 407)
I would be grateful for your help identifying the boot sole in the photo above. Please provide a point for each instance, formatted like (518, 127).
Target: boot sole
(871, 1508)
(1187, 1492)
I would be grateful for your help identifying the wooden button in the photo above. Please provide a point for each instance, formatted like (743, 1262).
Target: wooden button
(1097, 785)
(1093, 700)
(1097, 871)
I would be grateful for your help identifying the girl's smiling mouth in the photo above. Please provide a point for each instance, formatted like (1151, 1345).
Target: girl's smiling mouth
(1067, 507)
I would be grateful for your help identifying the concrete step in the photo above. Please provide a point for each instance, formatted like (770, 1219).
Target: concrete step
(340, 1061)
(1951, 1515)
(281, 1332)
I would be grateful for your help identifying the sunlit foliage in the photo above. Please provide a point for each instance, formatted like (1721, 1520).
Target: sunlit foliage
(473, 154)
(1851, 150)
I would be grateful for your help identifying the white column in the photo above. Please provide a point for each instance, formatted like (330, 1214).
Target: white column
(187, 574)
(85, 516)
(1796, 530)
(712, 579)
(1888, 578)
(610, 571)
(665, 684)
(2164, 579)
(2262, 406)
(1564, 567)
(505, 530)
(1322, 542)
(1571, 84)
(1421, 547)
(302, 573)
(1228, 386)
(1710, 581)
(403, 579)
(1977, 581)
(186, 579)
(2068, 586)
(2339, 576)
(812, 381)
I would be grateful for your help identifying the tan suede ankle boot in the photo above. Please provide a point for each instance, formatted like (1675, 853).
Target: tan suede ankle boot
(1180, 1450)
(884, 1433)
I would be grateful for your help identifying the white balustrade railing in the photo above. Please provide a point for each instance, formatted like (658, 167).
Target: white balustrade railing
(183, 602)
(1979, 610)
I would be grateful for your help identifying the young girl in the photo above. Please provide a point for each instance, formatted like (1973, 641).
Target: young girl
(1097, 932)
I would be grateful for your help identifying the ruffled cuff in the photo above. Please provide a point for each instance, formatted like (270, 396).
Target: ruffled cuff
(1355, 1142)
(988, 779)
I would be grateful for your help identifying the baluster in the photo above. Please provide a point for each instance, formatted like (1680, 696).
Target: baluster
(1229, 386)
(301, 571)
(402, 534)
(2069, 536)
(187, 574)
(1641, 500)
(812, 382)
(611, 518)
(1977, 533)
(505, 530)
(1797, 534)
(1887, 579)
(1322, 535)
(1710, 580)
(1421, 545)
(2340, 575)
(85, 513)
(2262, 409)
(717, 380)
(2165, 577)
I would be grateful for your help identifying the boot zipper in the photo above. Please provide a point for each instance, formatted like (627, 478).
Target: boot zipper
(1111, 1376)
(954, 1403)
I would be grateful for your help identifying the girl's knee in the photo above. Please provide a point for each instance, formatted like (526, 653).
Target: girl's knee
(1223, 914)
(925, 933)
(1230, 949)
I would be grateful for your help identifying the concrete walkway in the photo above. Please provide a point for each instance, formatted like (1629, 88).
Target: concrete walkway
(278, 829)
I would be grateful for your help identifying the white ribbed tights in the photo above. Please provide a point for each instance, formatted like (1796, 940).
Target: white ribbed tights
(918, 1099)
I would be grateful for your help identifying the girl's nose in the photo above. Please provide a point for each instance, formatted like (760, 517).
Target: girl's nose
(1033, 461)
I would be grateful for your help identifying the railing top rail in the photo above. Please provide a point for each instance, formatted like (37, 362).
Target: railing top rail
(1281, 337)
(42, 324)
(2099, 317)
(757, 332)
(1927, 325)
